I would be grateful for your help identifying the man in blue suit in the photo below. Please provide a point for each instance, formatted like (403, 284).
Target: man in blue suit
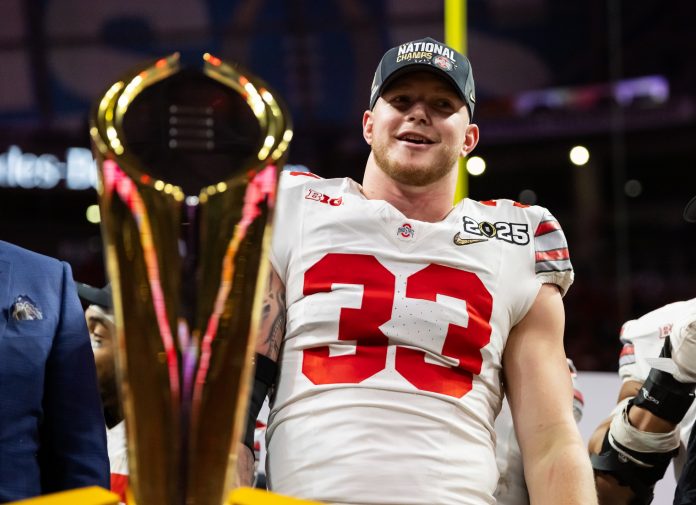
(52, 434)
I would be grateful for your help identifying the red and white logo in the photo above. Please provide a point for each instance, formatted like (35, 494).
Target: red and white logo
(665, 330)
(405, 231)
(322, 198)
(443, 62)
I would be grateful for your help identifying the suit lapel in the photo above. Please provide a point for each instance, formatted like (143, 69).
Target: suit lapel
(5, 269)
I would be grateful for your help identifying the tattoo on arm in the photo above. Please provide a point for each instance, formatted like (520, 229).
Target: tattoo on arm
(273, 318)
(275, 336)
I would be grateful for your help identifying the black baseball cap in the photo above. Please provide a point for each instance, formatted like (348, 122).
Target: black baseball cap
(430, 55)
(96, 296)
(690, 211)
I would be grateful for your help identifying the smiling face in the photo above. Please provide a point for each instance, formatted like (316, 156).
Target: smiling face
(418, 129)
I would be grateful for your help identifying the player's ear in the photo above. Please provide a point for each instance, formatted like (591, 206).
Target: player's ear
(367, 124)
(471, 138)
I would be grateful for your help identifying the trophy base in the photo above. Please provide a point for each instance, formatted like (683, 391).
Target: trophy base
(251, 496)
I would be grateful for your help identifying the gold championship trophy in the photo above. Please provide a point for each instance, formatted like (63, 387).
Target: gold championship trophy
(188, 158)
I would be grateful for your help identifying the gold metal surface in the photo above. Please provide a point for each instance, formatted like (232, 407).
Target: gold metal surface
(187, 270)
(249, 496)
(85, 496)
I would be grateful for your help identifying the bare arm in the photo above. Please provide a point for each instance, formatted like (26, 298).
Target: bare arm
(269, 340)
(539, 388)
(245, 466)
(273, 318)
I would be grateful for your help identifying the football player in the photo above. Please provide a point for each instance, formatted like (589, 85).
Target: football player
(102, 333)
(655, 413)
(394, 318)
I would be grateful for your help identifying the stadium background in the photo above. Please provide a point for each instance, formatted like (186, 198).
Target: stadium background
(615, 76)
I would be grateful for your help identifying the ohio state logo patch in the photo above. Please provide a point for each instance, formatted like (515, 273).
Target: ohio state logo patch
(443, 62)
(406, 232)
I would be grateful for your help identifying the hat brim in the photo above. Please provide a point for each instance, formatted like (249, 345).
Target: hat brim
(690, 211)
(419, 67)
(96, 296)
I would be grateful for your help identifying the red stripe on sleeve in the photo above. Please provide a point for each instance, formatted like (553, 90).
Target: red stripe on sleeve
(627, 350)
(554, 255)
(490, 203)
(306, 174)
(578, 396)
(547, 227)
(520, 205)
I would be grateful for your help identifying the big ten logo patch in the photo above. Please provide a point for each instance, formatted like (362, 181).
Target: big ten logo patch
(322, 198)
(514, 233)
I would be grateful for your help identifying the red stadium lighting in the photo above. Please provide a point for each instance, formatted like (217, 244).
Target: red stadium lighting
(212, 59)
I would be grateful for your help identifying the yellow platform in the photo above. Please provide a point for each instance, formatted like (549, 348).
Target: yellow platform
(250, 496)
(85, 496)
(99, 496)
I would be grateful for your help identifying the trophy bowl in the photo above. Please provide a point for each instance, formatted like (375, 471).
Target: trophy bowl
(188, 154)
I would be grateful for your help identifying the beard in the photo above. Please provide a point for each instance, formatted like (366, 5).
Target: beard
(415, 173)
(108, 390)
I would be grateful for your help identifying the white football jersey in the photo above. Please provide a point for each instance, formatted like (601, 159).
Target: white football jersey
(643, 338)
(512, 488)
(118, 459)
(390, 370)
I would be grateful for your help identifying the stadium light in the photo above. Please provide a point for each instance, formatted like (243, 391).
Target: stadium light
(475, 165)
(579, 155)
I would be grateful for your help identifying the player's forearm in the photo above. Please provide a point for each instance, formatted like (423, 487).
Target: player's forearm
(609, 491)
(562, 474)
(273, 317)
(594, 445)
(645, 420)
(245, 466)
(638, 434)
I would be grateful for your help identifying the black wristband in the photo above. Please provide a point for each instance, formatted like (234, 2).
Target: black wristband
(266, 369)
(641, 478)
(664, 396)
(264, 377)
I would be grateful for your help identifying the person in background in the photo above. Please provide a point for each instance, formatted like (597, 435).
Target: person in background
(512, 489)
(102, 333)
(51, 422)
(654, 417)
(685, 493)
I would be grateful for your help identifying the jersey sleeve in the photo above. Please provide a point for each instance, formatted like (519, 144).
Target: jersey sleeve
(552, 259)
(578, 398)
(628, 366)
(287, 220)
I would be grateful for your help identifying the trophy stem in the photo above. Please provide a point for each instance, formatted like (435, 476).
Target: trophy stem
(187, 271)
